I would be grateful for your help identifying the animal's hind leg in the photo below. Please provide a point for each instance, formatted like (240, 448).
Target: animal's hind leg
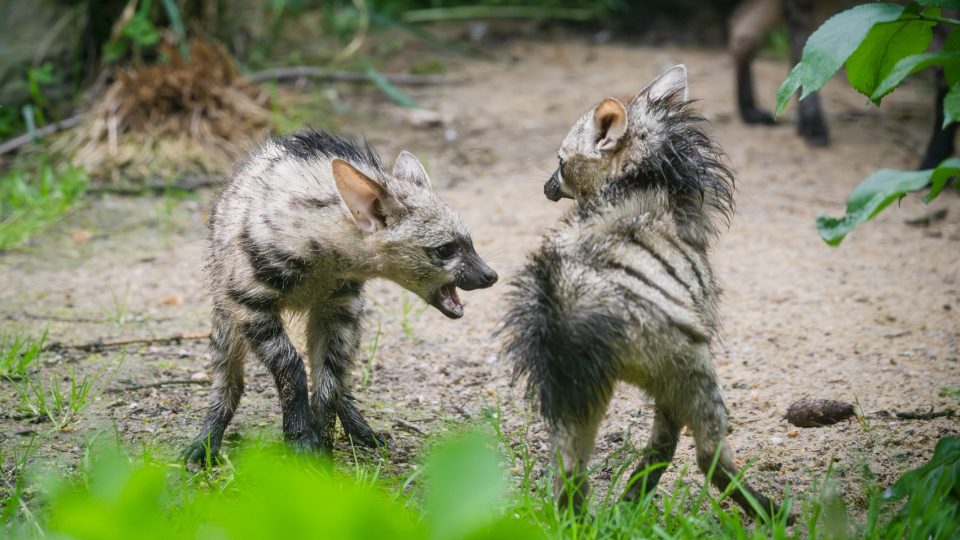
(333, 338)
(810, 123)
(660, 449)
(573, 442)
(228, 351)
(708, 420)
(941, 143)
(749, 25)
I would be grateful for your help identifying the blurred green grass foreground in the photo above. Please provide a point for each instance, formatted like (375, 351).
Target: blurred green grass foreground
(462, 491)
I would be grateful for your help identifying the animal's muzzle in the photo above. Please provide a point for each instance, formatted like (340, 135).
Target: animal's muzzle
(478, 275)
(552, 188)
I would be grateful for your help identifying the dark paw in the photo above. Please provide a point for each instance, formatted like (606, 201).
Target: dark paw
(355, 425)
(365, 436)
(637, 491)
(814, 133)
(201, 454)
(934, 157)
(308, 442)
(757, 116)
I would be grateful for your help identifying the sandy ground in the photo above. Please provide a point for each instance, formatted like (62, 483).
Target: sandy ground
(876, 320)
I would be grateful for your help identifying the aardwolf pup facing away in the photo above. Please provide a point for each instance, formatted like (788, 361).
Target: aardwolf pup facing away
(623, 289)
(301, 227)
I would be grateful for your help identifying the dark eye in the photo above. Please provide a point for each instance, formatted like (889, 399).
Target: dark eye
(446, 251)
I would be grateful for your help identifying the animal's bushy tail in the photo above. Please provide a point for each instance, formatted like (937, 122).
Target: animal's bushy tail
(562, 336)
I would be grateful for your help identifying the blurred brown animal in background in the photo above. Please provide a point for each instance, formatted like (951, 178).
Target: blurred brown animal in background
(749, 24)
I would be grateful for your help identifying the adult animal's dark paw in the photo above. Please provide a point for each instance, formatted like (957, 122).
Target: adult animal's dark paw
(753, 115)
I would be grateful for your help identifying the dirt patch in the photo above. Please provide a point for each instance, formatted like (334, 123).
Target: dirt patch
(875, 320)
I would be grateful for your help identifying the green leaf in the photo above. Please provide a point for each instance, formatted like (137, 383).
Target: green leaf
(465, 483)
(913, 64)
(390, 89)
(932, 493)
(831, 44)
(141, 31)
(951, 105)
(945, 463)
(869, 198)
(952, 44)
(952, 4)
(884, 46)
(790, 85)
(946, 170)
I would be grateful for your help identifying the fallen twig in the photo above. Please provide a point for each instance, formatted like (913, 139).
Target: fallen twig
(55, 318)
(296, 72)
(16, 142)
(158, 384)
(108, 343)
(137, 190)
(917, 415)
(460, 410)
(403, 424)
(497, 12)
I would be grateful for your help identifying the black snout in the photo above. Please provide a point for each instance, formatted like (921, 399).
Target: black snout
(476, 275)
(552, 188)
(490, 277)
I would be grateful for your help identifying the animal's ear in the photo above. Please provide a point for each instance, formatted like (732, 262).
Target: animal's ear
(670, 85)
(610, 122)
(364, 198)
(408, 167)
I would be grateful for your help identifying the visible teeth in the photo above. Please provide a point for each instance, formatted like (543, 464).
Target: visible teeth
(451, 300)
(455, 296)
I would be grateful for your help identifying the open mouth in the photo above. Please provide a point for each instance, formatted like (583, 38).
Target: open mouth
(448, 301)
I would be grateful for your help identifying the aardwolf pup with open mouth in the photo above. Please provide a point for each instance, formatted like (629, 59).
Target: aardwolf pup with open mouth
(300, 227)
(623, 290)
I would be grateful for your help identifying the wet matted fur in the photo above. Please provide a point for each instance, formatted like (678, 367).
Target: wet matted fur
(300, 227)
(623, 289)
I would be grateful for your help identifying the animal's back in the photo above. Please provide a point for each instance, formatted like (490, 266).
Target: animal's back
(614, 295)
(280, 215)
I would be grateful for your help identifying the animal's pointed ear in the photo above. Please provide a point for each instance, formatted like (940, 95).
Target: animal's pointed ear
(364, 198)
(610, 121)
(670, 85)
(408, 167)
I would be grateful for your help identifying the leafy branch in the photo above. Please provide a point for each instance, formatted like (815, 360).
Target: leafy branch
(880, 45)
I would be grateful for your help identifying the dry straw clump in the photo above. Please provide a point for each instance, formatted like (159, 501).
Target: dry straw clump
(182, 116)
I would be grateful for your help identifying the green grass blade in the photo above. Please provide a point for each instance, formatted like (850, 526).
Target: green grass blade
(389, 89)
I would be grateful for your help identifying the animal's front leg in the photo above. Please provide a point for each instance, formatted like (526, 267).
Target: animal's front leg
(333, 336)
(660, 449)
(355, 425)
(268, 340)
(228, 349)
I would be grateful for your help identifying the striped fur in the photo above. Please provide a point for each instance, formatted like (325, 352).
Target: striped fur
(284, 238)
(623, 290)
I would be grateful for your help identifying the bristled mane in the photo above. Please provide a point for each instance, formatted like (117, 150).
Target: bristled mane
(688, 167)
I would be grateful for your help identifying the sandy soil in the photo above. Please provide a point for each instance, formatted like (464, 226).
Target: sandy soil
(876, 320)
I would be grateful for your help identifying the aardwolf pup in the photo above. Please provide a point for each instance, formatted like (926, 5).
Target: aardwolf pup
(300, 227)
(623, 289)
